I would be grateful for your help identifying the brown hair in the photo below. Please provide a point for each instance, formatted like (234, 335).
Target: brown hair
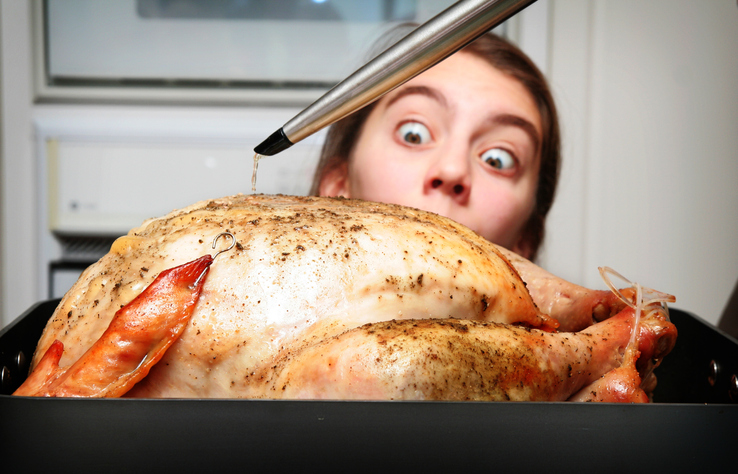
(508, 58)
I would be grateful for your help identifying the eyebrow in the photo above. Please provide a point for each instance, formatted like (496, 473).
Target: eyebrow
(421, 90)
(520, 122)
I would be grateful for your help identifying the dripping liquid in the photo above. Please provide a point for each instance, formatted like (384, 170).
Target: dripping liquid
(257, 157)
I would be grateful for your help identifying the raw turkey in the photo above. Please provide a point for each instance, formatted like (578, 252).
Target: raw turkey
(338, 299)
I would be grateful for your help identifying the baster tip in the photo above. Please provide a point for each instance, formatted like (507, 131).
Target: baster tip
(276, 142)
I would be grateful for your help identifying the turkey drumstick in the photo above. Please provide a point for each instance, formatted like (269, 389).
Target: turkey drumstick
(462, 360)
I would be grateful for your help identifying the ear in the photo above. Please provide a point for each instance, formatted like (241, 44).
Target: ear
(335, 183)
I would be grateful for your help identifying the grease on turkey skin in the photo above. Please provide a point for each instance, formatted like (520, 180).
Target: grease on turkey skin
(304, 271)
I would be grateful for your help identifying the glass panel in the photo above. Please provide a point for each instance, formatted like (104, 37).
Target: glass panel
(283, 10)
(217, 44)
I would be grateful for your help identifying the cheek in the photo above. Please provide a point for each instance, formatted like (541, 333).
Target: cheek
(507, 211)
(377, 173)
(381, 180)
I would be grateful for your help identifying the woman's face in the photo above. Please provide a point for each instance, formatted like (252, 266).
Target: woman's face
(461, 140)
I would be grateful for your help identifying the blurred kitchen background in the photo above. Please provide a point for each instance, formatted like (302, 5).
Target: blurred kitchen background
(112, 112)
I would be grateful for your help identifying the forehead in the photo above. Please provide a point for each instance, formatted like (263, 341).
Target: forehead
(466, 78)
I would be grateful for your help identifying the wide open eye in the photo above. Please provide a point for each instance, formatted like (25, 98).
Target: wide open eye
(414, 133)
(499, 159)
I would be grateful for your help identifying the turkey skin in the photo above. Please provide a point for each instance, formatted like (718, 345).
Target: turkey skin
(312, 279)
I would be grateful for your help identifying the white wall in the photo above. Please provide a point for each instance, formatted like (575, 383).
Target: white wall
(648, 93)
(649, 107)
(18, 245)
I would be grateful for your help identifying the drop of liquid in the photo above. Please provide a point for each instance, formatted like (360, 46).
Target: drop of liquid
(257, 157)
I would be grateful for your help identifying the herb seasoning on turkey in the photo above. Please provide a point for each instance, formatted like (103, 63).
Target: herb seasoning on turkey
(342, 299)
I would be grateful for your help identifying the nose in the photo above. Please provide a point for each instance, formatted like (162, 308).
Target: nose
(450, 175)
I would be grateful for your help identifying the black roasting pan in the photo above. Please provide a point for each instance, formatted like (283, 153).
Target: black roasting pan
(693, 424)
